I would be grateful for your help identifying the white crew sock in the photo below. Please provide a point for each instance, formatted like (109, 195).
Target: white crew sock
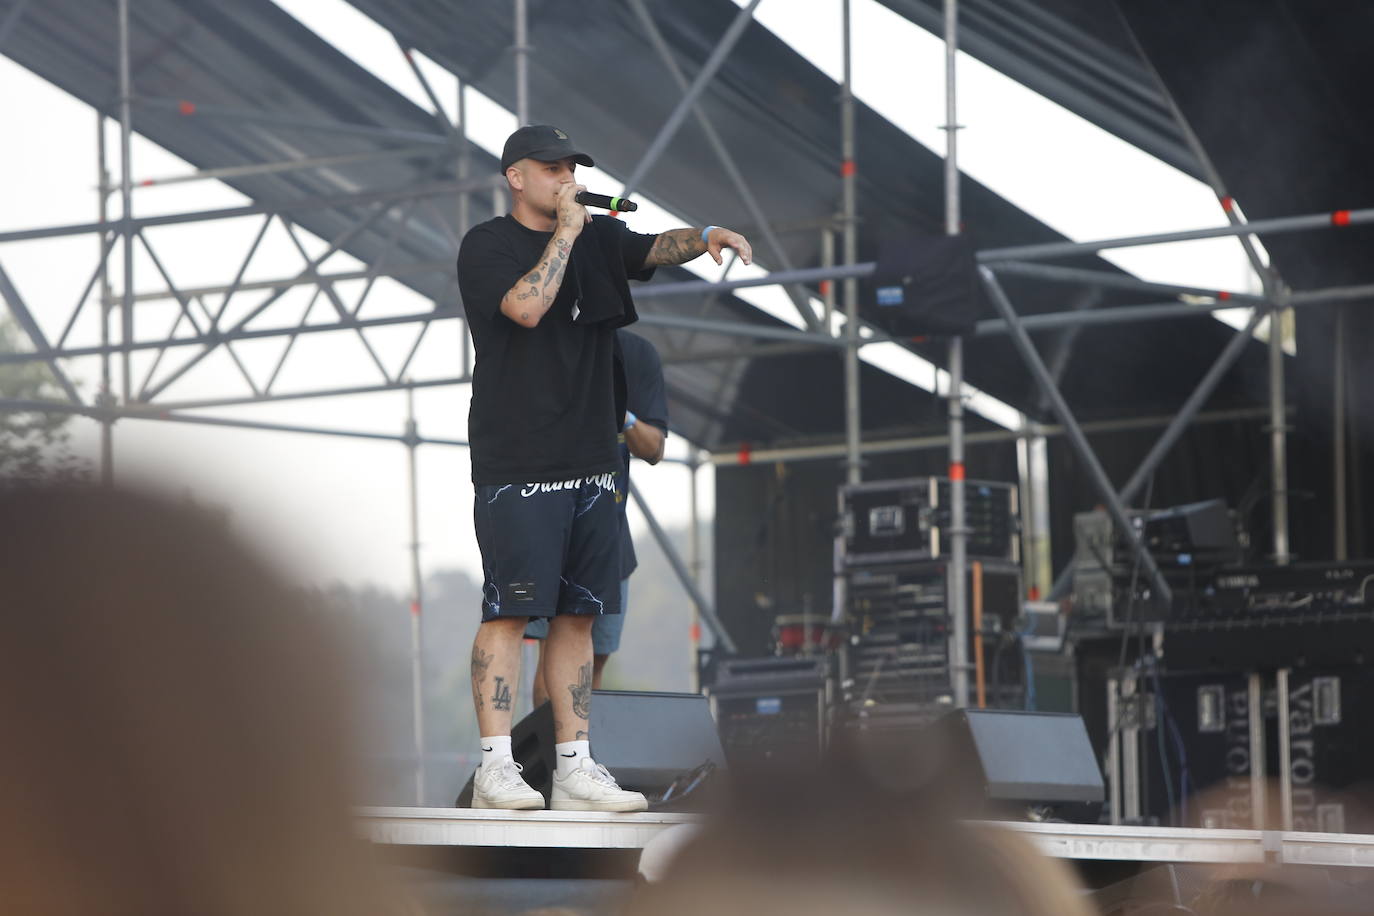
(569, 754)
(495, 749)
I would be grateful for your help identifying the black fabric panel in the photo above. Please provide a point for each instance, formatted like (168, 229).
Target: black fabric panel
(1279, 93)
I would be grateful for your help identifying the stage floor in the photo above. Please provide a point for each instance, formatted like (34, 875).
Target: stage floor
(590, 830)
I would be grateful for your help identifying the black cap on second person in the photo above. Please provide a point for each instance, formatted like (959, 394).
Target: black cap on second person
(543, 142)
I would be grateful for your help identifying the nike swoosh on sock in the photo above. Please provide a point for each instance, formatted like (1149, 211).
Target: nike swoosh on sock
(573, 754)
(487, 749)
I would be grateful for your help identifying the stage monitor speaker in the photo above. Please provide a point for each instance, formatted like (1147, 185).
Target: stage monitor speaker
(1022, 761)
(647, 741)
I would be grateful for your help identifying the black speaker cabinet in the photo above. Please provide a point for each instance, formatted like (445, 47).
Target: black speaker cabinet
(645, 739)
(1012, 761)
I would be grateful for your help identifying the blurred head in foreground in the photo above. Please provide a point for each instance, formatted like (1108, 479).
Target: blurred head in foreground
(840, 841)
(174, 731)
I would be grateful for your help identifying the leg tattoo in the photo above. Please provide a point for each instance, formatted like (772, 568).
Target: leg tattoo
(500, 695)
(481, 661)
(582, 692)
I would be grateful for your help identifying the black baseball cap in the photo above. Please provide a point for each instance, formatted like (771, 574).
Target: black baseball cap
(543, 142)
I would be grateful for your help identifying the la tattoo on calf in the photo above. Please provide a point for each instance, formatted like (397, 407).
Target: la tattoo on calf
(481, 661)
(582, 692)
(500, 694)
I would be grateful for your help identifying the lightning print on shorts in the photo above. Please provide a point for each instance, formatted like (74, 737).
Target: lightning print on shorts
(585, 594)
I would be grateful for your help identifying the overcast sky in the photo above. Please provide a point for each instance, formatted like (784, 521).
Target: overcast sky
(337, 507)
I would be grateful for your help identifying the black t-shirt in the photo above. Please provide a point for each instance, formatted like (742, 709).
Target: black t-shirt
(647, 400)
(543, 398)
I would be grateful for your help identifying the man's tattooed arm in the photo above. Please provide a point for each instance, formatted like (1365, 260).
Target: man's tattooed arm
(676, 246)
(533, 294)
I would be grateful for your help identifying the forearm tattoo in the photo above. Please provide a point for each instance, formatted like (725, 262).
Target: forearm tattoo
(536, 290)
(676, 246)
(582, 692)
(481, 661)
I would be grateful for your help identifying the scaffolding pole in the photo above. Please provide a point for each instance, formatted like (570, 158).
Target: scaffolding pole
(1077, 439)
(1274, 291)
(1278, 435)
(411, 440)
(210, 112)
(853, 465)
(1123, 314)
(726, 457)
(1109, 280)
(127, 199)
(704, 608)
(799, 296)
(1339, 535)
(956, 584)
(1174, 431)
(240, 286)
(522, 64)
(9, 294)
(165, 416)
(694, 562)
(1283, 224)
(105, 397)
(211, 338)
(356, 199)
(684, 105)
(290, 165)
(1223, 363)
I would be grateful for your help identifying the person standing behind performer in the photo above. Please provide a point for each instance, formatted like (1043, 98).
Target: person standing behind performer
(544, 288)
(644, 432)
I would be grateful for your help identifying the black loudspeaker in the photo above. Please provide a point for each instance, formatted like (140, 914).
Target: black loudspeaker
(647, 741)
(1018, 762)
(926, 285)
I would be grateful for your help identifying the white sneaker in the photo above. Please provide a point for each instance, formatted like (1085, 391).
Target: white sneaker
(501, 786)
(591, 787)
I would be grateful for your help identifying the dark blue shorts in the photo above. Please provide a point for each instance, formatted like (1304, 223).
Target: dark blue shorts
(549, 548)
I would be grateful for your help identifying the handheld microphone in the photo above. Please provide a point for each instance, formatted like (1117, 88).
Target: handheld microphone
(619, 204)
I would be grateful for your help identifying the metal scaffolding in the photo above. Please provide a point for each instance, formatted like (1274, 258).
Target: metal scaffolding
(198, 326)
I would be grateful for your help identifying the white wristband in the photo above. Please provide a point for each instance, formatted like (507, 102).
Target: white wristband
(705, 235)
(630, 420)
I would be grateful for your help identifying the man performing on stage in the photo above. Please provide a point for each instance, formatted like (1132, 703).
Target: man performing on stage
(544, 289)
(643, 435)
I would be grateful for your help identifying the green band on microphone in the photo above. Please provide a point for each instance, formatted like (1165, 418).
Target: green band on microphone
(615, 203)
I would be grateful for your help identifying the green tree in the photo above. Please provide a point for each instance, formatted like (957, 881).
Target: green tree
(34, 444)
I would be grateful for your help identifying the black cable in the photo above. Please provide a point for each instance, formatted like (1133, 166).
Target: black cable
(1130, 595)
(1160, 719)
(1139, 626)
(1165, 717)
